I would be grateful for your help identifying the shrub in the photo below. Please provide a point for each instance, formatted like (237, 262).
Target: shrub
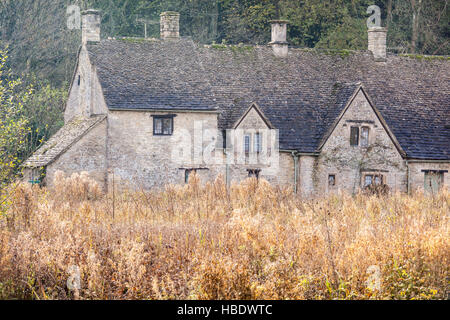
(251, 241)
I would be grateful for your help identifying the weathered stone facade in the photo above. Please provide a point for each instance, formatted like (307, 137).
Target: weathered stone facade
(136, 155)
(91, 20)
(377, 42)
(85, 96)
(170, 25)
(349, 164)
(417, 173)
(312, 100)
(123, 147)
(88, 154)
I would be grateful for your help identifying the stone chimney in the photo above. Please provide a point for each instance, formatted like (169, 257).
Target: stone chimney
(170, 25)
(90, 30)
(279, 43)
(377, 42)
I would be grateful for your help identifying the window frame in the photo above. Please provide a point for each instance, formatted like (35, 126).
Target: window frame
(333, 176)
(365, 184)
(187, 174)
(361, 137)
(35, 176)
(162, 118)
(373, 177)
(247, 150)
(257, 142)
(440, 179)
(352, 142)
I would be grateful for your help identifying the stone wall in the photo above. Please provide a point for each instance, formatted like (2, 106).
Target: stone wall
(97, 103)
(73, 100)
(306, 176)
(349, 163)
(85, 98)
(88, 154)
(281, 173)
(170, 25)
(377, 42)
(136, 155)
(416, 175)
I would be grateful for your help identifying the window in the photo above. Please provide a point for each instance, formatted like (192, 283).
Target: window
(162, 125)
(253, 173)
(258, 142)
(377, 180)
(373, 179)
(35, 176)
(368, 180)
(331, 180)
(354, 136)
(247, 144)
(187, 173)
(433, 180)
(364, 136)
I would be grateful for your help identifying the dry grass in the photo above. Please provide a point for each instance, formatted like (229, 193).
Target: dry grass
(202, 242)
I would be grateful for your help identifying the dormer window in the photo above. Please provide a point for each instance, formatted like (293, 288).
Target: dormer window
(252, 143)
(358, 138)
(247, 144)
(258, 142)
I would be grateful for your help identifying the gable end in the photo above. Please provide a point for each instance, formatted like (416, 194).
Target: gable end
(377, 113)
(259, 112)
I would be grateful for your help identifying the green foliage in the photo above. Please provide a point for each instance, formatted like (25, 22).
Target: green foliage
(351, 34)
(44, 112)
(421, 57)
(30, 112)
(13, 123)
(41, 43)
(233, 48)
(38, 38)
(405, 283)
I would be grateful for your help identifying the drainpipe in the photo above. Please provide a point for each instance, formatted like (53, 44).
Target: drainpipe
(227, 168)
(225, 152)
(295, 156)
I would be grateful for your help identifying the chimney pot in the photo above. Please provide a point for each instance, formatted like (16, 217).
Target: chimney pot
(91, 26)
(170, 25)
(279, 43)
(377, 42)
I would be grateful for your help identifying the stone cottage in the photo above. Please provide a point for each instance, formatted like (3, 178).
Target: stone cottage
(343, 120)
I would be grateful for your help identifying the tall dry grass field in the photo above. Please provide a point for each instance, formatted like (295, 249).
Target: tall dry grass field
(254, 241)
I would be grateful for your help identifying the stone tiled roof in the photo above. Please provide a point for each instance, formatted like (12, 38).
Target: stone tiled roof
(70, 133)
(301, 95)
